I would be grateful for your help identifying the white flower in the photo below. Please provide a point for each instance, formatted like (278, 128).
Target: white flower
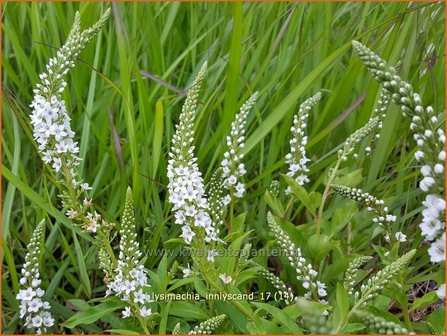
(226, 279)
(400, 237)
(36, 321)
(426, 183)
(144, 312)
(437, 250)
(187, 272)
(34, 305)
(419, 155)
(297, 159)
(233, 169)
(441, 292)
(439, 168)
(211, 254)
(126, 312)
(187, 234)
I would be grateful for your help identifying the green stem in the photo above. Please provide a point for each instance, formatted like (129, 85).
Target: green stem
(75, 203)
(234, 303)
(325, 195)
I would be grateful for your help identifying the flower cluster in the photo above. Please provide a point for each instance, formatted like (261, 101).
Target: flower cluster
(49, 118)
(217, 199)
(356, 137)
(351, 272)
(383, 217)
(51, 123)
(208, 326)
(430, 140)
(186, 188)
(380, 112)
(377, 282)
(286, 292)
(130, 279)
(377, 324)
(297, 159)
(33, 309)
(305, 273)
(233, 168)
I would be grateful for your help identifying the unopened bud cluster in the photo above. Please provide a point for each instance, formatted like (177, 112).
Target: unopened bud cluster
(33, 309)
(351, 273)
(377, 324)
(430, 140)
(383, 218)
(380, 112)
(305, 272)
(297, 159)
(382, 278)
(232, 165)
(286, 293)
(218, 199)
(208, 326)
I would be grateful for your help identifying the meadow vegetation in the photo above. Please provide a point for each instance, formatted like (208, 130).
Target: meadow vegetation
(287, 158)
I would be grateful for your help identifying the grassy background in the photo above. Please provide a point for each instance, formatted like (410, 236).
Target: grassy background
(126, 92)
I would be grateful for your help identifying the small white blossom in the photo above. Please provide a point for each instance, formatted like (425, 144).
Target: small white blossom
(226, 279)
(441, 292)
(33, 310)
(400, 237)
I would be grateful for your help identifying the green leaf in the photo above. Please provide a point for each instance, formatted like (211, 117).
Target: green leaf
(351, 328)
(318, 246)
(158, 136)
(122, 332)
(302, 195)
(188, 310)
(289, 325)
(81, 266)
(238, 224)
(424, 301)
(274, 204)
(93, 314)
(341, 308)
(239, 320)
(437, 320)
(352, 179)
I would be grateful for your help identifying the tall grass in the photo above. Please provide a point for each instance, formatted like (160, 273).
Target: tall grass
(125, 97)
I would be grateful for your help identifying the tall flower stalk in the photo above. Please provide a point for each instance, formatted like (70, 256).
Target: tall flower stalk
(233, 169)
(377, 206)
(55, 138)
(305, 272)
(186, 187)
(130, 280)
(430, 141)
(348, 148)
(33, 309)
(297, 159)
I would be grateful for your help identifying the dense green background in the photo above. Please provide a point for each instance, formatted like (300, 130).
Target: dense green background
(124, 119)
